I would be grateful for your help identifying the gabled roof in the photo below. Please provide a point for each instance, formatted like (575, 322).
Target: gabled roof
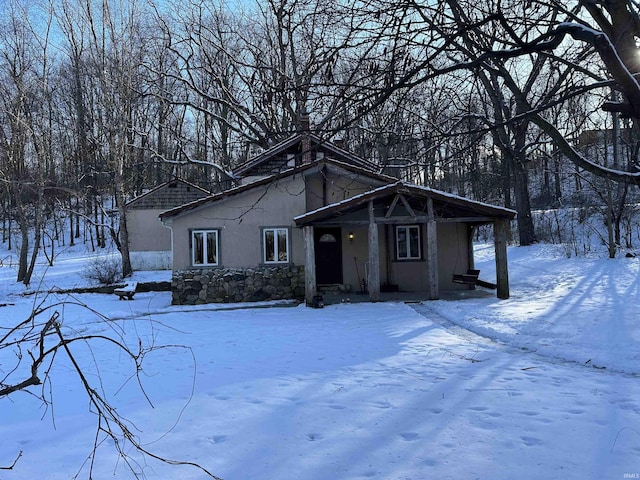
(316, 144)
(168, 195)
(343, 168)
(446, 205)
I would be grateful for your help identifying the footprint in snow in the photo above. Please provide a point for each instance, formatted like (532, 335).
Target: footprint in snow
(529, 414)
(629, 406)
(312, 437)
(409, 436)
(531, 441)
(217, 439)
(478, 409)
(576, 411)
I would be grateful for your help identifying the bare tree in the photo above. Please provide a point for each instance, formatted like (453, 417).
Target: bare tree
(607, 28)
(26, 136)
(248, 76)
(105, 52)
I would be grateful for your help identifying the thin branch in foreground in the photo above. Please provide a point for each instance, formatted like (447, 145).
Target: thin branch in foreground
(10, 467)
(112, 424)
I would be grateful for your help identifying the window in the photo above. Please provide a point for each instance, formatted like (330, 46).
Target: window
(275, 245)
(328, 238)
(408, 242)
(204, 247)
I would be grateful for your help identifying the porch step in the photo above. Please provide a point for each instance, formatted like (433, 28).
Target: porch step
(333, 289)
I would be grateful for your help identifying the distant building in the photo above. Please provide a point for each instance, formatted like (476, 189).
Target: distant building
(149, 240)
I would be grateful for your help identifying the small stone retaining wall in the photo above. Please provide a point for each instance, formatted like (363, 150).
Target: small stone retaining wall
(231, 285)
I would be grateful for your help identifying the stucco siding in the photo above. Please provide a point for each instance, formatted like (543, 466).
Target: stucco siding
(338, 188)
(355, 256)
(146, 232)
(411, 276)
(453, 244)
(313, 192)
(239, 220)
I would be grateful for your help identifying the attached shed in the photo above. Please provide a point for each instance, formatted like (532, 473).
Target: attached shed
(402, 236)
(149, 241)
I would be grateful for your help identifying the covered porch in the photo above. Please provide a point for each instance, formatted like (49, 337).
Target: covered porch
(400, 238)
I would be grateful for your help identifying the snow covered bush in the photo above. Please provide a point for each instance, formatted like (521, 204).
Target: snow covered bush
(105, 269)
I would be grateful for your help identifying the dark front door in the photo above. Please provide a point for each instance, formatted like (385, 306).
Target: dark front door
(328, 246)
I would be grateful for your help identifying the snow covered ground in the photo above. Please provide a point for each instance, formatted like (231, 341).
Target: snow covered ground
(545, 385)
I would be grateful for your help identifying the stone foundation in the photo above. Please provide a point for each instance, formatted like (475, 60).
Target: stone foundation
(232, 285)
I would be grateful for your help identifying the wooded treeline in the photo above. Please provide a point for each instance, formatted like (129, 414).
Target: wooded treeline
(522, 104)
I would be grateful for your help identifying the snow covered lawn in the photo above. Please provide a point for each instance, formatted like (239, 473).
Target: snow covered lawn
(545, 385)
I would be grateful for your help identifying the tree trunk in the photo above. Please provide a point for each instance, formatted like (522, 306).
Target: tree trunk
(23, 257)
(520, 177)
(557, 178)
(611, 244)
(127, 270)
(34, 252)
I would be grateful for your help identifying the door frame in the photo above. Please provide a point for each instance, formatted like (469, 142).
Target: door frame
(336, 270)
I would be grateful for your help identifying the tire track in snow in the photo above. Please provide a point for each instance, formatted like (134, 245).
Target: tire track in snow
(499, 345)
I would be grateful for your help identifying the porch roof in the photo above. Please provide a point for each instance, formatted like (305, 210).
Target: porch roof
(447, 207)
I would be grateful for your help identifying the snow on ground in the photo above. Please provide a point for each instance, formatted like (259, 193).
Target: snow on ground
(544, 385)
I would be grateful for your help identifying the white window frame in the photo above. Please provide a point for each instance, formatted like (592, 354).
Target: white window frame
(410, 255)
(276, 252)
(205, 253)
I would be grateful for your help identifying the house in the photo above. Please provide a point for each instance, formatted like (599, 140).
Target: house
(315, 215)
(149, 240)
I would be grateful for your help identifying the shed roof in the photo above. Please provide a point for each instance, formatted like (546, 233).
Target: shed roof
(168, 195)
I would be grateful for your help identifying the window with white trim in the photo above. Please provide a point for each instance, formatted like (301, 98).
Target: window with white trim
(275, 245)
(408, 242)
(205, 247)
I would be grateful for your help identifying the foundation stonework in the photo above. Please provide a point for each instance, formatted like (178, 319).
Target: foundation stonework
(233, 285)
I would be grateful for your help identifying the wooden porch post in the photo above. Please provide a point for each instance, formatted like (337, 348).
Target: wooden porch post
(500, 234)
(470, 256)
(432, 253)
(309, 265)
(373, 282)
